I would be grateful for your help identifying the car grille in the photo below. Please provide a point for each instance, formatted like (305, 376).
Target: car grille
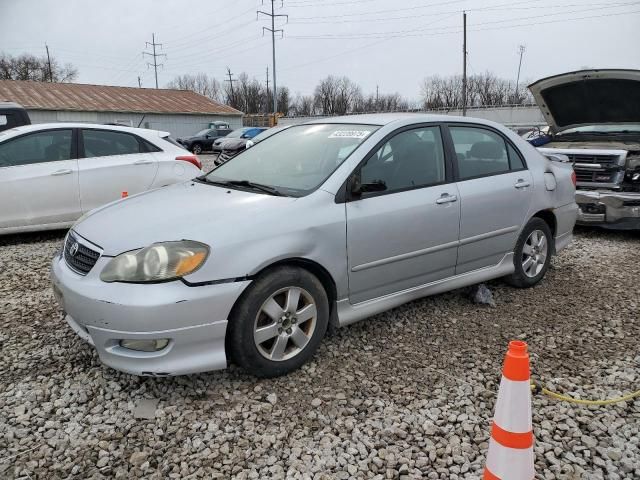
(594, 170)
(226, 155)
(598, 159)
(80, 258)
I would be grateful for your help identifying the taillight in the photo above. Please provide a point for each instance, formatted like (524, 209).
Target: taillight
(191, 159)
(573, 178)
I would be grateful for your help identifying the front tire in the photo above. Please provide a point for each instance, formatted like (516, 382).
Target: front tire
(278, 322)
(196, 149)
(532, 254)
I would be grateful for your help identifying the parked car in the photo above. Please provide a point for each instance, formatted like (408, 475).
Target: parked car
(51, 174)
(203, 140)
(594, 118)
(241, 134)
(331, 221)
(12, 115)
(269, 132)
(232, 146)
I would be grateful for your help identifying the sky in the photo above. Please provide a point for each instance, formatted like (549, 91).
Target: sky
(391, 45)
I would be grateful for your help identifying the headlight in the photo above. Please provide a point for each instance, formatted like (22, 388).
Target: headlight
(156, 263)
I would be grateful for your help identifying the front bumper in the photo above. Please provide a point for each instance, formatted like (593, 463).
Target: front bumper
(193, 319)
(608, 209)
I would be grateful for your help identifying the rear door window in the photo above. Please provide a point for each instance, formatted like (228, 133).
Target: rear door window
(39, 147)
(479, 152)
(104, 143)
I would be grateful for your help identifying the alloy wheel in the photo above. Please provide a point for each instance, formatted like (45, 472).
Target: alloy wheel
(534, 253)
(285, 324)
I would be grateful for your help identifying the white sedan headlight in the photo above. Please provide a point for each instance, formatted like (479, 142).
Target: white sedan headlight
(156, 263)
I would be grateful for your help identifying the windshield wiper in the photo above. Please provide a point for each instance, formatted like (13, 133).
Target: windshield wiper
(256, 186)
(242, 183)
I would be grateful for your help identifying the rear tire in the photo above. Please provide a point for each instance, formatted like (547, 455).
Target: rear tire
(196, 148)
(279, 322)
(532, 254)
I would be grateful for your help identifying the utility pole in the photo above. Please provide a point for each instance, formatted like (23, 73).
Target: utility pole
(139, 82)
(155, 55)
(231, 80)
(267, 102)
(521, 50)
(464, 64)
(49, 62)
(273, 47)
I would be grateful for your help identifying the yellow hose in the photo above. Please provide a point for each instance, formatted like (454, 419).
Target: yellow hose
(535, 387)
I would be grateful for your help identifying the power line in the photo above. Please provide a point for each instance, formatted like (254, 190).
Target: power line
(267, 103)
(273, 31)
(154, 55)
(521, 50)
(231, 80)
(49, 62)
(453, 32)
(408, 33)
(464, 64)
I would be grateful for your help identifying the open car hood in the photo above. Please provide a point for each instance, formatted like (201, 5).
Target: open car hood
(589, 97)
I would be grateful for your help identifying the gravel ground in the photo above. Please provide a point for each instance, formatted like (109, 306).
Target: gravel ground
(371, 404)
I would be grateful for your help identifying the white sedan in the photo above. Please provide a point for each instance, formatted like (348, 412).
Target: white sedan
(51, 174)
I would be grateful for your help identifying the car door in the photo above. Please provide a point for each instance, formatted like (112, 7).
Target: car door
(39, 179)
(495, 193)
(208, 138)
(112, 163)
(402, 230)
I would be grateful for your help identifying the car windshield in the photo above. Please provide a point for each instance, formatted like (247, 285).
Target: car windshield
(202, 133)
(297, 160)
(237, 133)
(267, 133)
(608, 128)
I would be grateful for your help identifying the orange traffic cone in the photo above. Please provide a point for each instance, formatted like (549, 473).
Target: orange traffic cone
(510, 454)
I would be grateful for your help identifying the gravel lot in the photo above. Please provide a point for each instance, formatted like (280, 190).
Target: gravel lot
(370, 405)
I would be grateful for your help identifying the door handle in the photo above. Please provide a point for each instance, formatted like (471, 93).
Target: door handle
(143, 162)
(522, 183)
(446, 198)
(65, 171)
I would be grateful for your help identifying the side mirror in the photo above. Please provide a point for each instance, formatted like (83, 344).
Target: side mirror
(356, 188)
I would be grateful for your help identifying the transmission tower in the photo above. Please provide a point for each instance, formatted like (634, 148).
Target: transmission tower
(273, 31)
(155, 55)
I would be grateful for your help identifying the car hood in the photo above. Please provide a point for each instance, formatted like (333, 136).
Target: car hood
(189, 210)
(589, 97)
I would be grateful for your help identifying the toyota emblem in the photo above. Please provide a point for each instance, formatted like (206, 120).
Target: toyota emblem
(74, 249)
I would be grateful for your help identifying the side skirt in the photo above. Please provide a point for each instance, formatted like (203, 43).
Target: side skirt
(348, 313)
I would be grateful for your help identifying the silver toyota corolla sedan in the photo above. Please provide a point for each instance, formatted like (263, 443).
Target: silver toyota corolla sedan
(324, 223)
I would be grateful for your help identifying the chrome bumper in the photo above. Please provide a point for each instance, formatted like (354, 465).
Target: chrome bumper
(192, 319)
(615, 210)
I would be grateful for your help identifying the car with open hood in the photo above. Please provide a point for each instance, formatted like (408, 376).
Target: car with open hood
(594, 119)
(326, 223)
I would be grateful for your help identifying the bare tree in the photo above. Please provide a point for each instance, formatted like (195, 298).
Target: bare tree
(483, 90)
(200, 83)
(284, 102)
(303, 106)
(30, 67)
(336, 96)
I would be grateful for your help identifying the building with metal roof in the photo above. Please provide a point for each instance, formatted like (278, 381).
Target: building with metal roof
(181, 112)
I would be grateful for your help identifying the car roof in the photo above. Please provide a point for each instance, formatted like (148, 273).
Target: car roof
(387, 118)
(45, 126)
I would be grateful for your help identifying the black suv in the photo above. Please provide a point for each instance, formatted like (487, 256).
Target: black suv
(203, 140)
(12, 115)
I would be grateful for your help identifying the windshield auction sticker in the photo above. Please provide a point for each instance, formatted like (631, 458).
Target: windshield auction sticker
(349, 134)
